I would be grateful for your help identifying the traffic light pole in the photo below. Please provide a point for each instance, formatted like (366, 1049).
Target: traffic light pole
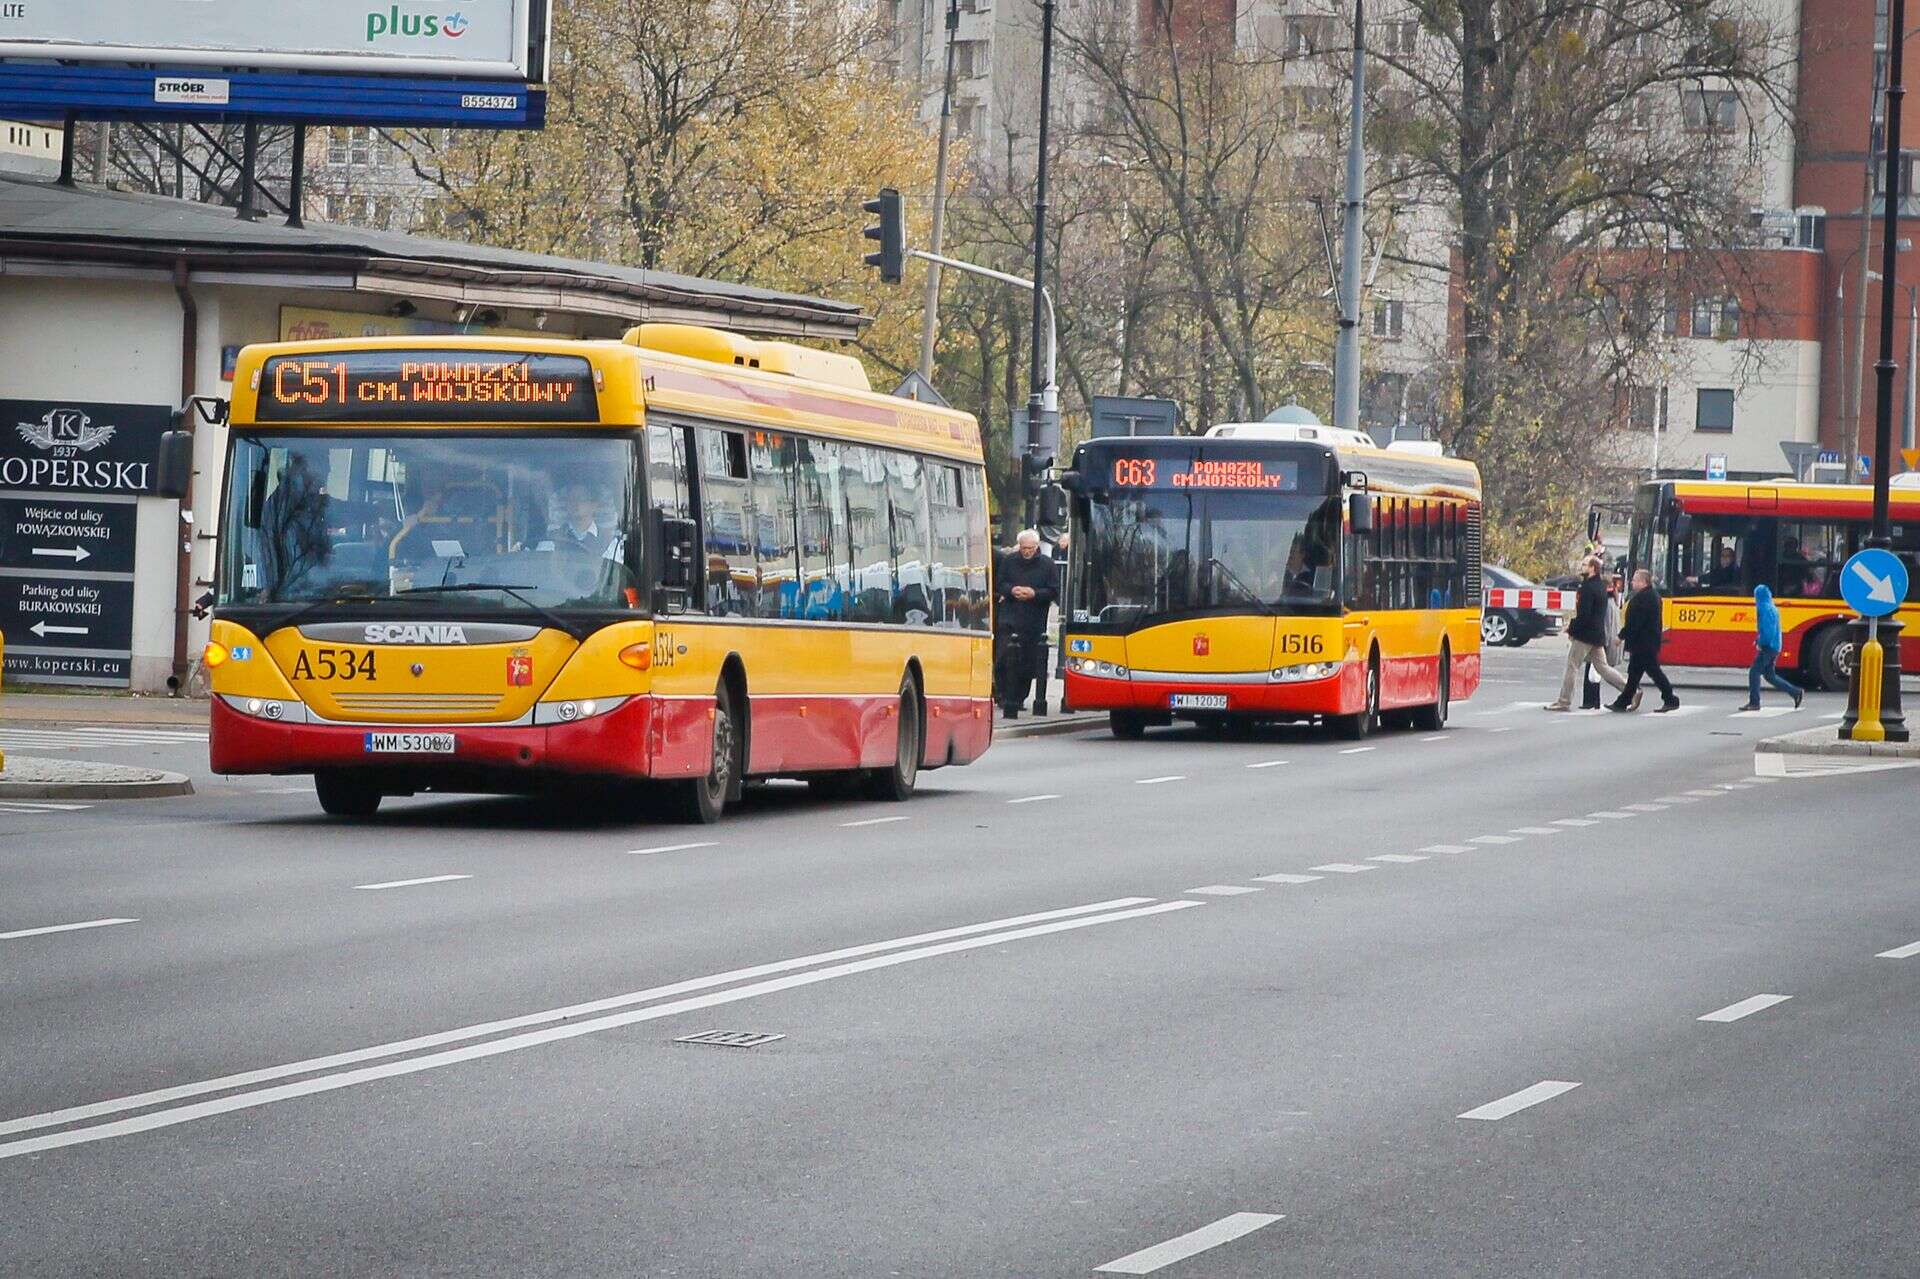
(1049, 390)
(1885, 637)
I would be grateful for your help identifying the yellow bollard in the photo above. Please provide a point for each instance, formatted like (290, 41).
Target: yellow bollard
(1866, 724)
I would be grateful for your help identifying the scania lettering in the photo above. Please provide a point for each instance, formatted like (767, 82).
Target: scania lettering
(658, 564)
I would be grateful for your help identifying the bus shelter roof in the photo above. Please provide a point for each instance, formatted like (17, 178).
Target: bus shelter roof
(46, 224)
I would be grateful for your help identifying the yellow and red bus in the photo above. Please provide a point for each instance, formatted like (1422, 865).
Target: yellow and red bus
(480, 564)
(1708, 543)
(1264, 573)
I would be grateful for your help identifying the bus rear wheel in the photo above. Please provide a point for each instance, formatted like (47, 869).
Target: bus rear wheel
(699, 801)
(1432, 717)
(895, 782)
(347, 794)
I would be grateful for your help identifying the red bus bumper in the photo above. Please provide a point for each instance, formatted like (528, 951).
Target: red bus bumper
(614, 744)
(1407, 681)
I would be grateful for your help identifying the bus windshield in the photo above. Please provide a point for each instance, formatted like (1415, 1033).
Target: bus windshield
(378, 516)
(1170, 552)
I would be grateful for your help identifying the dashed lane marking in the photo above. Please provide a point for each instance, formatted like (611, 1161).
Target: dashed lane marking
(1765, 712)
(1446, 848)
(1441, 738)
(1220, 890)
(1745, 1008)
(1574, 821)
(1545, 1090)
(877, 821)
(63, 928)
(1907, 951)
(1645, 808)
(1610, 814)
(1675, 799)
(1706, 794)
(1268, 763)
(1538, 830)
(1505, 729)
(1162, 1255)
(1288, 879)
(1493, 839)
(409, 883)
(1358, 750)
(1343, 868)
(1032, 799)
(43, 810)
(1400, 858)
(1155, 781)
(671, 848)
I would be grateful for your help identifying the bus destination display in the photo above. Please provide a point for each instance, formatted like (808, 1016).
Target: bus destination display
(1272, 475)
(427, 386)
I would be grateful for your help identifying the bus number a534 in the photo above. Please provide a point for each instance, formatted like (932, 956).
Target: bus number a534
(334, 663)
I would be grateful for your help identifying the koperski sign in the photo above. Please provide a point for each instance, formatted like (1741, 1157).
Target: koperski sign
(73, 446)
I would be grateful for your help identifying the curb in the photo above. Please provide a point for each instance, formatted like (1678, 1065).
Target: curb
(1052, 725)
(1826, 741)
(162, 787)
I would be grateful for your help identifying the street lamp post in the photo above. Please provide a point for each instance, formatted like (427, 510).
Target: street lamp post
(1036, 388)
(1877, 640)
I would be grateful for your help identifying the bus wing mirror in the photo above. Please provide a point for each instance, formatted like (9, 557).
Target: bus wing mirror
(678, 540)
(173, 468)
(1073, 481)
(1053, 506)
(1360, 512)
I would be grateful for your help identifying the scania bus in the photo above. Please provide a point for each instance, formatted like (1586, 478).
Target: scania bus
(686, 559)
(1708, 543)
(1264, 573)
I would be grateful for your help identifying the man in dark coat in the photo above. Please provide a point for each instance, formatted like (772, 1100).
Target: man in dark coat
(1587, 637)
(1023, 592)
(1640, 632)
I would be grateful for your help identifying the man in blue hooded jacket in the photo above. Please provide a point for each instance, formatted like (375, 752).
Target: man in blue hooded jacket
(1766, 651)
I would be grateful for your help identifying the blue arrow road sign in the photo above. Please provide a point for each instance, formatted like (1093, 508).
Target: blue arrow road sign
(1874, 582)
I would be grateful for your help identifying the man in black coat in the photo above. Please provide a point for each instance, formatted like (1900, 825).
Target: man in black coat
(1587, 637)
(1023, 591)
(1641, 632)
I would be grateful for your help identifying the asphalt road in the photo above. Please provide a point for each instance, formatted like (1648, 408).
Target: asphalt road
(1435, 1005)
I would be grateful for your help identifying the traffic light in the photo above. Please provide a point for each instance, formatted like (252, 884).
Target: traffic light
(892, 234)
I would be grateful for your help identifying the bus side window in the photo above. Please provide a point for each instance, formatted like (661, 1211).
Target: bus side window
(864, 477)
(973, 491)
(668, 489)
(777, 593)
(732, 573)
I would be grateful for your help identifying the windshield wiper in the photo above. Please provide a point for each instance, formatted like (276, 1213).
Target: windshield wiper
(1213, 562)
(554, 619)
(311, 607)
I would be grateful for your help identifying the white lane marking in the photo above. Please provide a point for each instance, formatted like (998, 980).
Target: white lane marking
(137, 1101)
(1756, 781)
(1538, 830)
(1304, 879)
(1545, 1090)
(672, 848)
(64, 928)
(1343, 868)
(496, 1047)
(1907, 951)
(1745, 1008)
(1768, 712)
(1155, 781)
(1834, 715)
(1678, 712)
(1769, 765)
(409, 883)
(39, 806)
(1397, 858)
(1268, 763)
(1733, 785)
(1221, 890)
(1032, 799)
(1447, 848)
(1442, 738)
(1645, 808)
(1706, 794)
(1162, 1255)
(1357, 750)
(876, 821)
(170, 734)
(1507, 729)
(1675, 799)
(1574, 821)
(1493, 839)
(285, 790)
(1609, 814)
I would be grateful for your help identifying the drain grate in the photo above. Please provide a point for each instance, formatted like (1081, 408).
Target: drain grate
(730, 1038)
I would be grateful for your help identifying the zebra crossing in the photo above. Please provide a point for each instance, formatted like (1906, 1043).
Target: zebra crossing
(26, 738)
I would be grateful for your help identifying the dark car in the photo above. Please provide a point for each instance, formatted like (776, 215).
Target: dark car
(1512, 627)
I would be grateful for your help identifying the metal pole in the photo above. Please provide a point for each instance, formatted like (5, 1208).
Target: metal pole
(66, 151)
(1346, 356)
(1037, 389)
(1853, 383)
(102, 149)
(1889, 264)
(930, 310)
(249, 165)
(1913, 362)
(297, 185)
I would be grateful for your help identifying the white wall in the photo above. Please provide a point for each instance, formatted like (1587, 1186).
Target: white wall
(1778, 400)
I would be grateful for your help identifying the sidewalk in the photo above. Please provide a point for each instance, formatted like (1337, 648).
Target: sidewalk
(1826, 740)
(100, 708)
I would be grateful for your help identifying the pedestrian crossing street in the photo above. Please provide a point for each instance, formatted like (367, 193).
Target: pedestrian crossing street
(25, 738)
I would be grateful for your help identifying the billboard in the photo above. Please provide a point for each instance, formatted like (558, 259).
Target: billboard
(478, 38)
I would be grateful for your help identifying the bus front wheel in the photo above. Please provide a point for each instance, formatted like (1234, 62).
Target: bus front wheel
(1128, 726)
(346, 794)
(699, 801)
(1357, 726)
(1831, 664)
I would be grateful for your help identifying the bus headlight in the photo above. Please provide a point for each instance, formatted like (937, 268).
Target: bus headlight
(1304, 671)
(268, 708)
(1096, 668)
(575, 709)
